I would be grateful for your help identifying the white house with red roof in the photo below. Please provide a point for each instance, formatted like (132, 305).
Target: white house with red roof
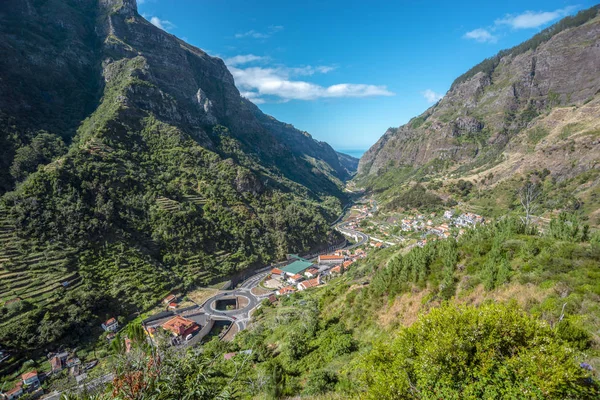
(285, 290)
(110, 325)
(309, 283)
(31, 378)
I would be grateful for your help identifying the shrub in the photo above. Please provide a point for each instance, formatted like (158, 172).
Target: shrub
(494, 351)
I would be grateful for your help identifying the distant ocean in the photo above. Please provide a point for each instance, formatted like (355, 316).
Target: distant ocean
(353, 152)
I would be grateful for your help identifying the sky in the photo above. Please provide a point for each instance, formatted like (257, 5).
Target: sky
(347, 70)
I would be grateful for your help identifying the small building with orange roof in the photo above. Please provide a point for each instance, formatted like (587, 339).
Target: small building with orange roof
(180, 326)
(111, 325)
(309, 283)
(285, 290)
(31, 378)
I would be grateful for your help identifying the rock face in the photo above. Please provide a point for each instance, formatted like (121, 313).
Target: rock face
(485, 116)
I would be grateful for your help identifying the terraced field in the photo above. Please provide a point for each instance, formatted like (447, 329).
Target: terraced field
(127, 274)
(172, 205)
(36, 275)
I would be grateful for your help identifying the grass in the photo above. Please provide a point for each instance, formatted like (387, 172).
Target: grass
(200, 295)
(535, 135)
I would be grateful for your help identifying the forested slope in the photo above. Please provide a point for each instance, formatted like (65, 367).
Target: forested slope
(131, 165)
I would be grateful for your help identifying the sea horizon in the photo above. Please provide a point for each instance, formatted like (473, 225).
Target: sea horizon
(358, 153)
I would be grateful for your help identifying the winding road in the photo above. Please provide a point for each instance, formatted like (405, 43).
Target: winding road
(240, 316)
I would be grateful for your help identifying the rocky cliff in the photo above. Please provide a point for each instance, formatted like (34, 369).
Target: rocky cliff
(514, 112)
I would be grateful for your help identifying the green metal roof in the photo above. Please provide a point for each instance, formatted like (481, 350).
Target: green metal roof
(296, 267)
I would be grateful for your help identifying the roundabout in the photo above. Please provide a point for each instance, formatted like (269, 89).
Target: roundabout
(243, 300)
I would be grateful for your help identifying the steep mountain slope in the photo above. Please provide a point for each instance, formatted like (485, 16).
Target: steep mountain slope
(349, 162)
(130, 165)
(532, 107)
(318, 153)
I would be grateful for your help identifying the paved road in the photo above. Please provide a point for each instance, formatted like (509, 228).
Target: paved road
(254, 280)
(363, 237)
(240, 316)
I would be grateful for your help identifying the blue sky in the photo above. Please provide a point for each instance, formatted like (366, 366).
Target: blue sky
(347, 70)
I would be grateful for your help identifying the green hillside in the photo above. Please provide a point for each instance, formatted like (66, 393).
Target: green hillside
(147, 171)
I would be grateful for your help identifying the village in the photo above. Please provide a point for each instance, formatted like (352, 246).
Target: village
(182, 322)
(409, 228)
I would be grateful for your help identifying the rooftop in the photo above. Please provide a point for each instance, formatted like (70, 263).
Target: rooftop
(331, 257)
(178, 324)
(286, 290)
(296, 267)
(311, 283)
(29, 375)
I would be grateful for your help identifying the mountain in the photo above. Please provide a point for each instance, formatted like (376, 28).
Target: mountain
(533, 107)
(319, 154)
(131, 165)
(349, 162)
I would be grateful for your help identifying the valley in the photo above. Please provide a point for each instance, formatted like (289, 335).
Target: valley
(163, 237)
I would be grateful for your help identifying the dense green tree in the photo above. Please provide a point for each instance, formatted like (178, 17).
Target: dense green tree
(44, 148)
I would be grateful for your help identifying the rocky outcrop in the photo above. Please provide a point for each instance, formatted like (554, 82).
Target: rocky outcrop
(484, 115)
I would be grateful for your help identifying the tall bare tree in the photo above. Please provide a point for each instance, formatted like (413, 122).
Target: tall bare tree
(529, 195)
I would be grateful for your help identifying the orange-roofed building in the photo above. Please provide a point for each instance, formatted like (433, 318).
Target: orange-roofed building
(170, 299)
(31, 378)
(285, 290)
(180, 326)
(276, 271)
(56, 364)
(309, 283)
(331, 259)
(346, 264)
(295, 278)
(110, 325)
(311, 272)
(173, 305)
(337, 269)
(14, 393)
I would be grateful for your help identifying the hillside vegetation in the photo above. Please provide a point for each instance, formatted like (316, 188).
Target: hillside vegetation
(504, 312)
(132, 166)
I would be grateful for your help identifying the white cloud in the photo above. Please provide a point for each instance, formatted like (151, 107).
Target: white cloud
(253, 34)
(481, 35)
(533, 19)
(310, 70)
(259, 35)
(261, 84)
(525, 20)
(163, 24)
(432, 96)
(243, 59)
